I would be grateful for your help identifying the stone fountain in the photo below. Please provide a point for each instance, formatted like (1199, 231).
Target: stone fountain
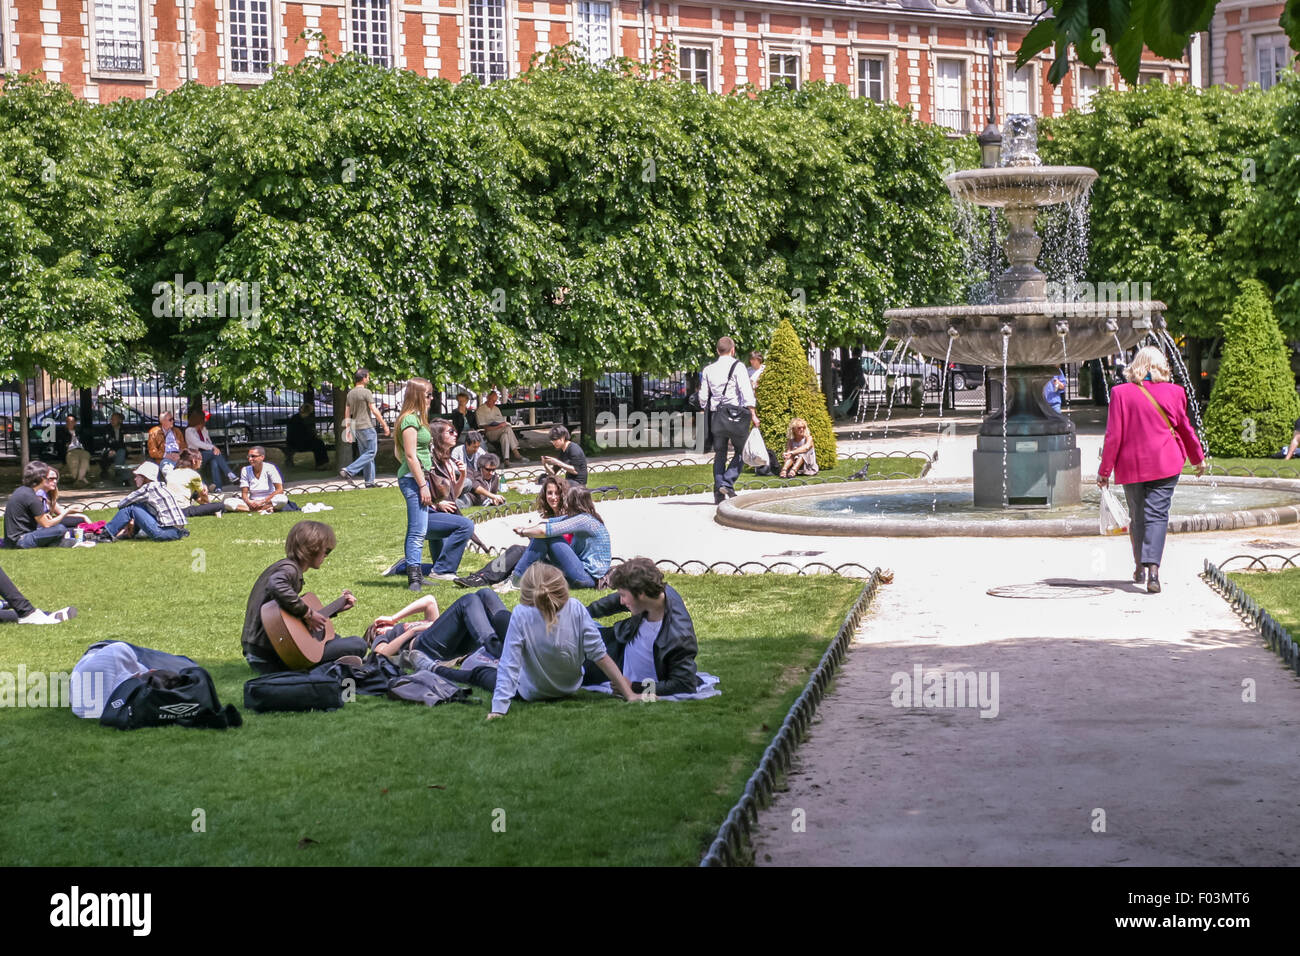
(1025, 454)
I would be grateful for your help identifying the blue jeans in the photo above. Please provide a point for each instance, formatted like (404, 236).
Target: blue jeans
(218, 467)
(144, 521)
(1148, 517)
(560, 553)
(42, 537)
(474, 620)
(368, 442)
(447, 533)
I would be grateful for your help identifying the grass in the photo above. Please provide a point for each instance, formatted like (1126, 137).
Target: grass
(1278, 592)
(590, 780)
(1263, 467)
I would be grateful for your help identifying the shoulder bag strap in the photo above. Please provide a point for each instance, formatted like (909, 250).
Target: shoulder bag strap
(1151, 399)
(730, 376)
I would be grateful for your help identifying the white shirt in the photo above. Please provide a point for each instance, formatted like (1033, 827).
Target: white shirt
(178, 483)
(716, 391)
(101, 671)
(541, 664)
(260, 487)
(198, 438)
(755, 374)
(639, 658)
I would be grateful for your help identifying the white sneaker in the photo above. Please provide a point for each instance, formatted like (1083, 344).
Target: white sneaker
(49, 617)
(505, 587)
(443, 576)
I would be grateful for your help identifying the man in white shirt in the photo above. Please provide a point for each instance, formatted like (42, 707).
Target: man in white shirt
(727, 397)
(260, 486)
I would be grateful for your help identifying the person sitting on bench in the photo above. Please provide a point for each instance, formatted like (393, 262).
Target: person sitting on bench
(112, 452)
(657, 641)
(166, 442)
(492, 422)
(306, 547)
(301, 435)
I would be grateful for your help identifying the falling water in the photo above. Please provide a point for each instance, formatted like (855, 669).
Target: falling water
(861, 408)
(938, 435)
(897, 359)
(1170, 348)
(982, 256)
(1064, 259)
(1006, 337)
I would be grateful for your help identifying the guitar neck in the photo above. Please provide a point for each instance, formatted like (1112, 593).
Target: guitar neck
(329, 610)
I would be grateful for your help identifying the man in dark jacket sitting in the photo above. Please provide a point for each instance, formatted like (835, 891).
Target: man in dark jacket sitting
(657, 642)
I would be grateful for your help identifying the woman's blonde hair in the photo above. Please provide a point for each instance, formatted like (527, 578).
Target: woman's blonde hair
(1148, 361)
(789, 431)
(416, 400)
(544, 587)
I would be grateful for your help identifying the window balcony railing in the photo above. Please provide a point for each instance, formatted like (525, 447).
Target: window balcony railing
(120, 56)
(956, 120)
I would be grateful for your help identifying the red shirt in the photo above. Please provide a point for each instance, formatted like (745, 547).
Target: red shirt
(1138, 445)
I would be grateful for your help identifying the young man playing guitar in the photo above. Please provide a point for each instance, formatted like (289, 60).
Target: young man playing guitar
(300, 635)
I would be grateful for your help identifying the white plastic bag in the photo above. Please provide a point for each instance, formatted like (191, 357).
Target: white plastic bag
(1114, 514)
(754, 454)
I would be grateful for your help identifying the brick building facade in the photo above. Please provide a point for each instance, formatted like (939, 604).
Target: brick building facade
(929, 56)
(1245, 44)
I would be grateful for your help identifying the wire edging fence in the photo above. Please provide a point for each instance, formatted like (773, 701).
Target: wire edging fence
(729, 847)
(1278, 638)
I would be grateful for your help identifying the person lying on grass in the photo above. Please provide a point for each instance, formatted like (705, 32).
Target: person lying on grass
(657, 641)
(305, 548)
(474, 620)
(550, 637)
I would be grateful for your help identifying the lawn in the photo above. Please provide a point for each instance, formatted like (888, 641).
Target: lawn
(1278, 592)
(591, 780)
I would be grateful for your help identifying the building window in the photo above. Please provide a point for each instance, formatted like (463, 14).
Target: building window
(593, 29)
(119, 44)
(950, 95)
(783, 70)
(1019, 90)
(487, 40)
(1017, 6)
(871, 78)
(371, 33)
(1145, 78)
(1272, 57)
(250, 37)
(1090, 81)
(696, 66)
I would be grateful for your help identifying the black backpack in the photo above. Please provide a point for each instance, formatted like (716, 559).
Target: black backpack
(174, 691)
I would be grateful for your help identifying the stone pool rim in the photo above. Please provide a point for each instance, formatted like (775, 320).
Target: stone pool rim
(739, 512)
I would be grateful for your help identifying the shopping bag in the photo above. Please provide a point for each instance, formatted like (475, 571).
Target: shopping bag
(754, 454)
(1114, 514)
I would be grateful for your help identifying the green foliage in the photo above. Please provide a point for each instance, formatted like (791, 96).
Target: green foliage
(1254, 403)
(1181, 174)
(788, 389)
(1125, 26)
(1272, 233)
(63, 302)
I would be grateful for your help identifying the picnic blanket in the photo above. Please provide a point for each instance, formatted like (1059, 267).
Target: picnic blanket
(708, 688)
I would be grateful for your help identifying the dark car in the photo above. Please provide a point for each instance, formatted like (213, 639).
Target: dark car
(247, 423)
(45, 422)
(965, 376)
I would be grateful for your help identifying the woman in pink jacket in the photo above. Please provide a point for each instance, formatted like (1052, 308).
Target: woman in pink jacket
(1148, 437)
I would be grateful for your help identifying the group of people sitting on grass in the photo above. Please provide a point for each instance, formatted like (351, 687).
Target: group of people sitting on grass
(548, 647)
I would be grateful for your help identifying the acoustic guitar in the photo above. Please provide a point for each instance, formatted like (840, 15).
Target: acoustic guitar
(297, 645)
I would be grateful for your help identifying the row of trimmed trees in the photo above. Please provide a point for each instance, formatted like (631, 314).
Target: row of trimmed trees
(570, 222)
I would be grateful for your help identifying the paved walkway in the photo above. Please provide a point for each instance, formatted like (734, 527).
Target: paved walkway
(1113, 707)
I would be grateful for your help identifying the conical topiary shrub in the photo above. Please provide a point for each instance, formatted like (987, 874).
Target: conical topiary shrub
(787, 390)
(1254, 404)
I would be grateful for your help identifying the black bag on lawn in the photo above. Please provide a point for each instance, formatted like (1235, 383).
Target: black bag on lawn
(163, 697)
(293, 691)
(496, 570)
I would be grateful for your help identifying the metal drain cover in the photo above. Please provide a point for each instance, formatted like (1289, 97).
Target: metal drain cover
(1055, 588)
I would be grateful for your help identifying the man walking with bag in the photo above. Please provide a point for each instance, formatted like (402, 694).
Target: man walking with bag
(727, 399)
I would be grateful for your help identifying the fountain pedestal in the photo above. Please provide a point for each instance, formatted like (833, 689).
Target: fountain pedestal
(1042, 464)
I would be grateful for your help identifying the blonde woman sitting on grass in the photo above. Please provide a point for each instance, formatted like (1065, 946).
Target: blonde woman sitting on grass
(799, 457)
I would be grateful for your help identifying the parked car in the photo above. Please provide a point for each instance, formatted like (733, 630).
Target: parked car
(150, 396)
(246, 423)
(877, 366)
(965, 376)
(45, 421)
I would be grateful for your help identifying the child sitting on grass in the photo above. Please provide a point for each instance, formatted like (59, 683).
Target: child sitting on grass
(799, 457)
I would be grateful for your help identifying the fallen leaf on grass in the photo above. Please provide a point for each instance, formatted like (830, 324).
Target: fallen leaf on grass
(306, 842)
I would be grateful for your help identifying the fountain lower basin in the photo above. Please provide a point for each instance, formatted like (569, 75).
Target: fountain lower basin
(903, 509)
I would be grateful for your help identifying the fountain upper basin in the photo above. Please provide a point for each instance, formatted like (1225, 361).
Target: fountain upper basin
(1090, 330)
(1025, 186)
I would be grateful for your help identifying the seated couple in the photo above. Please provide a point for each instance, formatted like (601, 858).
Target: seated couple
(584, 558)
(546, 648)
(482, 483)
(33, 516)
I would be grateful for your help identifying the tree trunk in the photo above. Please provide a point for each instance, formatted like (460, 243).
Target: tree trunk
(638, 392)
(588, 423)
(340, 411)
(24, 455)
(828, 376)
